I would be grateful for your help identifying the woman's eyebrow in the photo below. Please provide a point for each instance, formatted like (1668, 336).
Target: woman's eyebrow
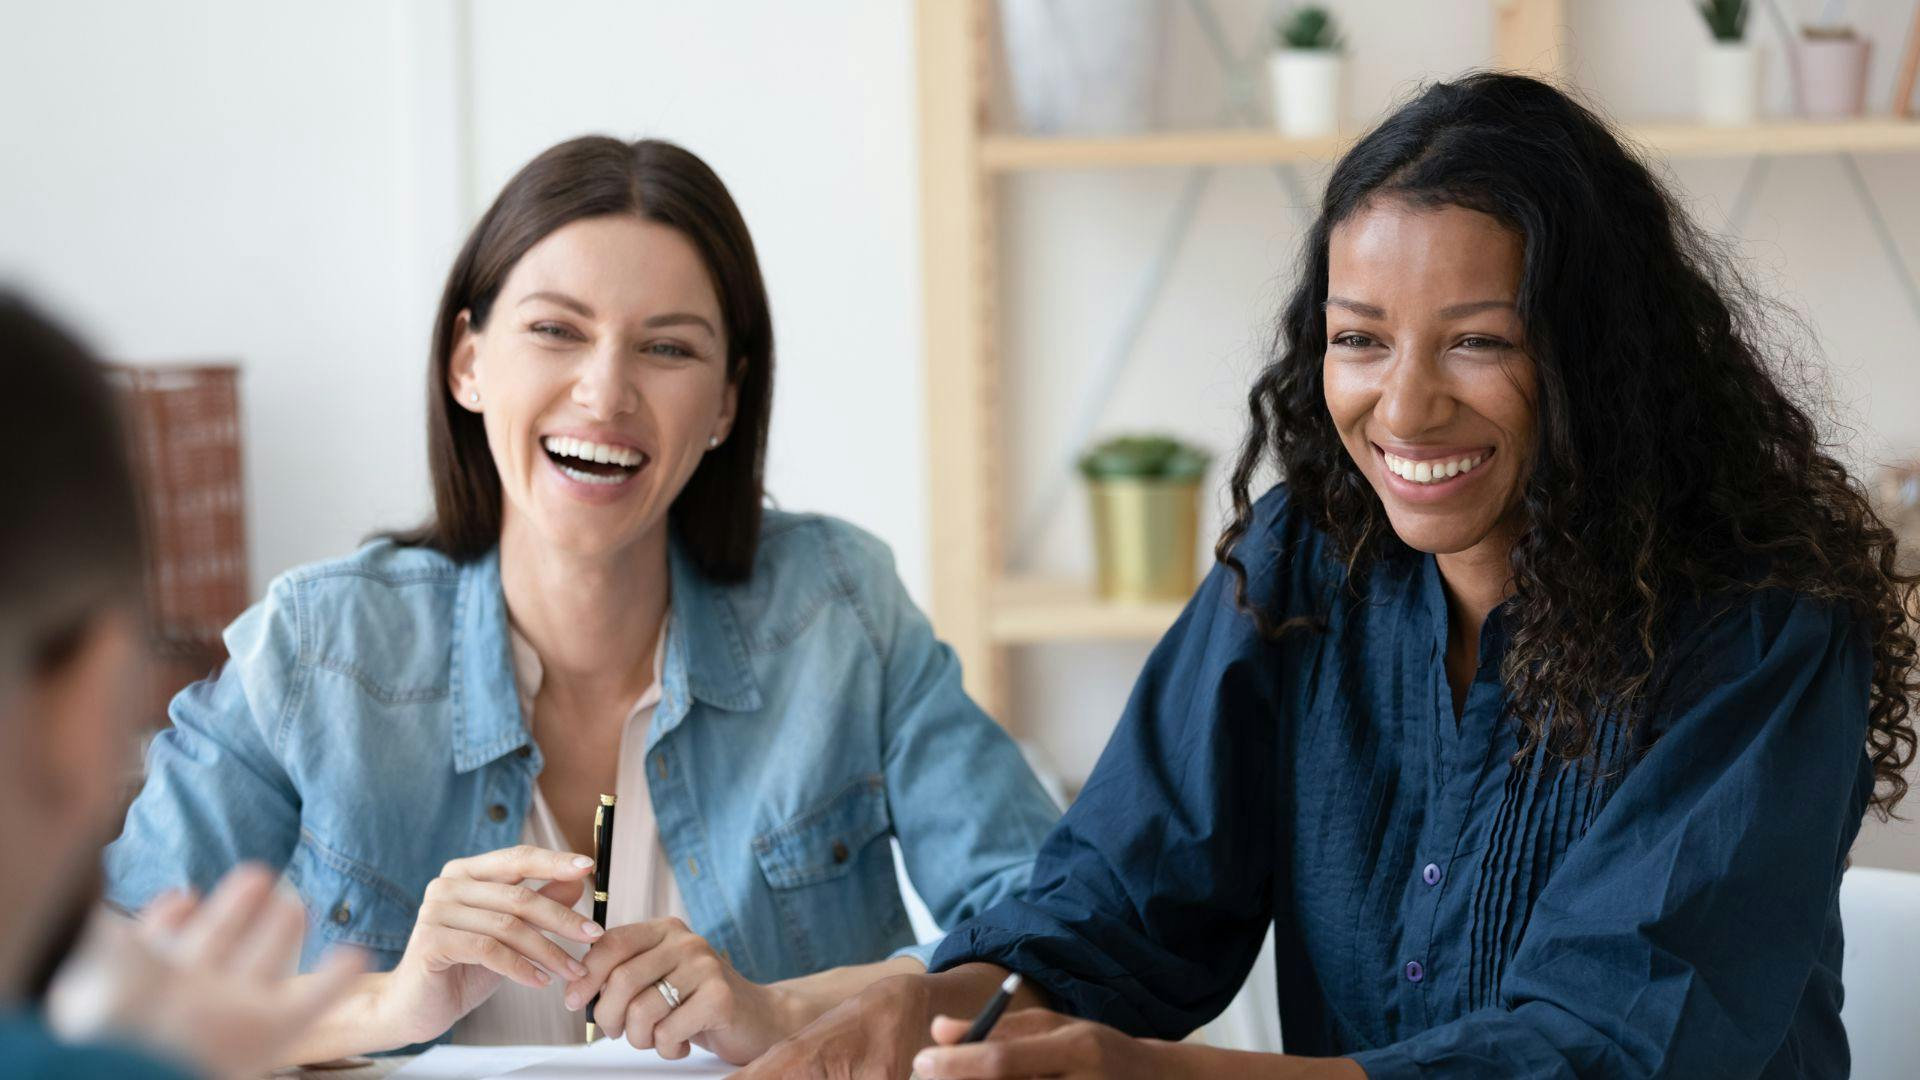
(561, 299)
(680, 318)
(1358, 308)
(1460, 311)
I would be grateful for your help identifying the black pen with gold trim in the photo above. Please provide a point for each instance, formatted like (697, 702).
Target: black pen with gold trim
(602, 876)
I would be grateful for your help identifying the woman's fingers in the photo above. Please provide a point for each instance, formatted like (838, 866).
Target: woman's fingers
(650, 1008)
(510, 866)
(270, 949)
(619, 946)
(212, 934)
(527, 905)
(451, 946)
(510, 931)
(705, 1005)
(564, 893)
(624, 985)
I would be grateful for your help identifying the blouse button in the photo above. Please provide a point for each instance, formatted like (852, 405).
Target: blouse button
(1415, 972)
(1431, 875)
(840, 852)
(525, 751)
(497, 812)
(342, 914)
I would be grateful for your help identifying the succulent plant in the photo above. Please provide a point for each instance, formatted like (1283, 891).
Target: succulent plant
(1727, 19)
(1144, 457)
(1308, 26)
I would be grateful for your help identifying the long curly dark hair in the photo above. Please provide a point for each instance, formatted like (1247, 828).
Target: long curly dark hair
(1672, 463)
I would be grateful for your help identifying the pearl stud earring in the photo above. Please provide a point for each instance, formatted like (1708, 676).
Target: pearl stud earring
(713, 441)
(473, 396)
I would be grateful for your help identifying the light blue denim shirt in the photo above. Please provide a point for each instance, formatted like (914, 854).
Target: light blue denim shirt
(367, 730)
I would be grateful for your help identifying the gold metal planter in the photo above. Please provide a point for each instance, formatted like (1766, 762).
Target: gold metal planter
(1144, 534)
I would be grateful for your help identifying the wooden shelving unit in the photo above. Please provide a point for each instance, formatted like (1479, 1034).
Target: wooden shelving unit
(1004, 154)
(1028, 611)
(977, 608)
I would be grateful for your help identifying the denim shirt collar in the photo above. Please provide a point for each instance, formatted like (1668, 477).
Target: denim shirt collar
(706, 659)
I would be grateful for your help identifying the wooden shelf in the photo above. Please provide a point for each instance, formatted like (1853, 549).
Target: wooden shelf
(1029, 611)
(1020, 153)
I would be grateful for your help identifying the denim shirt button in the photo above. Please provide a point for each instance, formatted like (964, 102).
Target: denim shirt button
(660, 765)
(497, 812)
(525, 752)
(840, 852)
(342, 914)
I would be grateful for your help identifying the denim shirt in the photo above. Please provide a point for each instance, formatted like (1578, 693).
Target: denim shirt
(367, 730)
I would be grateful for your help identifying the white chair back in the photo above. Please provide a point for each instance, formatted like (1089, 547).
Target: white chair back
(1880, 910)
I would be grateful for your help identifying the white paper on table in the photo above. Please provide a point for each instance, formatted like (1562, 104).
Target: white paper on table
(472, 1062)
(610, 1058)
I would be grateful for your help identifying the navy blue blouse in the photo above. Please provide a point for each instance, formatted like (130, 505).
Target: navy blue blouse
(1671, 910)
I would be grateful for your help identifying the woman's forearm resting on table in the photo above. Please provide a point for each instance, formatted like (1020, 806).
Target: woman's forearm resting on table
(357, 1024)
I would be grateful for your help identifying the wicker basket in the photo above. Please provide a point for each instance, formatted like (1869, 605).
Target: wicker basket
(184, 424)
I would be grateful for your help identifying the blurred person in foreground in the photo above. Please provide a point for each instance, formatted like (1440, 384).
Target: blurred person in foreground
(195, 988)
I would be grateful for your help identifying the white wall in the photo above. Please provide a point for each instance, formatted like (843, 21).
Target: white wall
(284, 184)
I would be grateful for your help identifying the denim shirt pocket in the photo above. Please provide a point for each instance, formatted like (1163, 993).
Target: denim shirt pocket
(349, 903)
(832, 877)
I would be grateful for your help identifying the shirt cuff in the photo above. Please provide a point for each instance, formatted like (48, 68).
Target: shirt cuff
(1387, 1063)
(922, 953)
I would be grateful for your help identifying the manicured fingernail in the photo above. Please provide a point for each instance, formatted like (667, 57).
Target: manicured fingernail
(923, 1062)
(591, 929)
(582, 861)
(573, 1003)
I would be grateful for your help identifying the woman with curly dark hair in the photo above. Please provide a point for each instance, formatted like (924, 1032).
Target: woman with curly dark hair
(1535, 709)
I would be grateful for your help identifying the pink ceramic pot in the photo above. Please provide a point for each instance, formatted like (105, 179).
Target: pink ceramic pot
(1833, 76)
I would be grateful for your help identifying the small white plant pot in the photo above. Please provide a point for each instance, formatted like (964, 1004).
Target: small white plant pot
(1306, 91)
(1729, 84)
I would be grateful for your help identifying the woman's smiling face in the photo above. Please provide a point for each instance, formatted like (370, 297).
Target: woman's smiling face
(1426, 374)
(602, 375)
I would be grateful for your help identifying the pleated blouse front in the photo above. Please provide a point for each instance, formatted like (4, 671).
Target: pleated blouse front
(1667, 908)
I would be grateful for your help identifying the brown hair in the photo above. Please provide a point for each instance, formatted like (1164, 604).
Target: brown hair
(70, 539)
(718, 513)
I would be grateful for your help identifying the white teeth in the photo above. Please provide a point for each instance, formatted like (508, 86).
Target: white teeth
(1431, 472)
(601, 453)
(585, 477)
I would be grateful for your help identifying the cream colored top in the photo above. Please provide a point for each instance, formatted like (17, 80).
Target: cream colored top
(641, 888)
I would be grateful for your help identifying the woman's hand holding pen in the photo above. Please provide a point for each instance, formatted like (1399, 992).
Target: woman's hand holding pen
(719, 1009)
(480, 923)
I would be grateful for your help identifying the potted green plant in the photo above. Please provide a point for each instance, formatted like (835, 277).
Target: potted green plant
(1145, 493)
(1306, 69)
(1728, 76)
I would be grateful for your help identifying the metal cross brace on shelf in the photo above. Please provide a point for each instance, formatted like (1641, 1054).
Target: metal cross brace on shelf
(1242, 86)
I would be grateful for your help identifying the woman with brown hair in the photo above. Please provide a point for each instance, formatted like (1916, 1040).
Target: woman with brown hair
(419, 732)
